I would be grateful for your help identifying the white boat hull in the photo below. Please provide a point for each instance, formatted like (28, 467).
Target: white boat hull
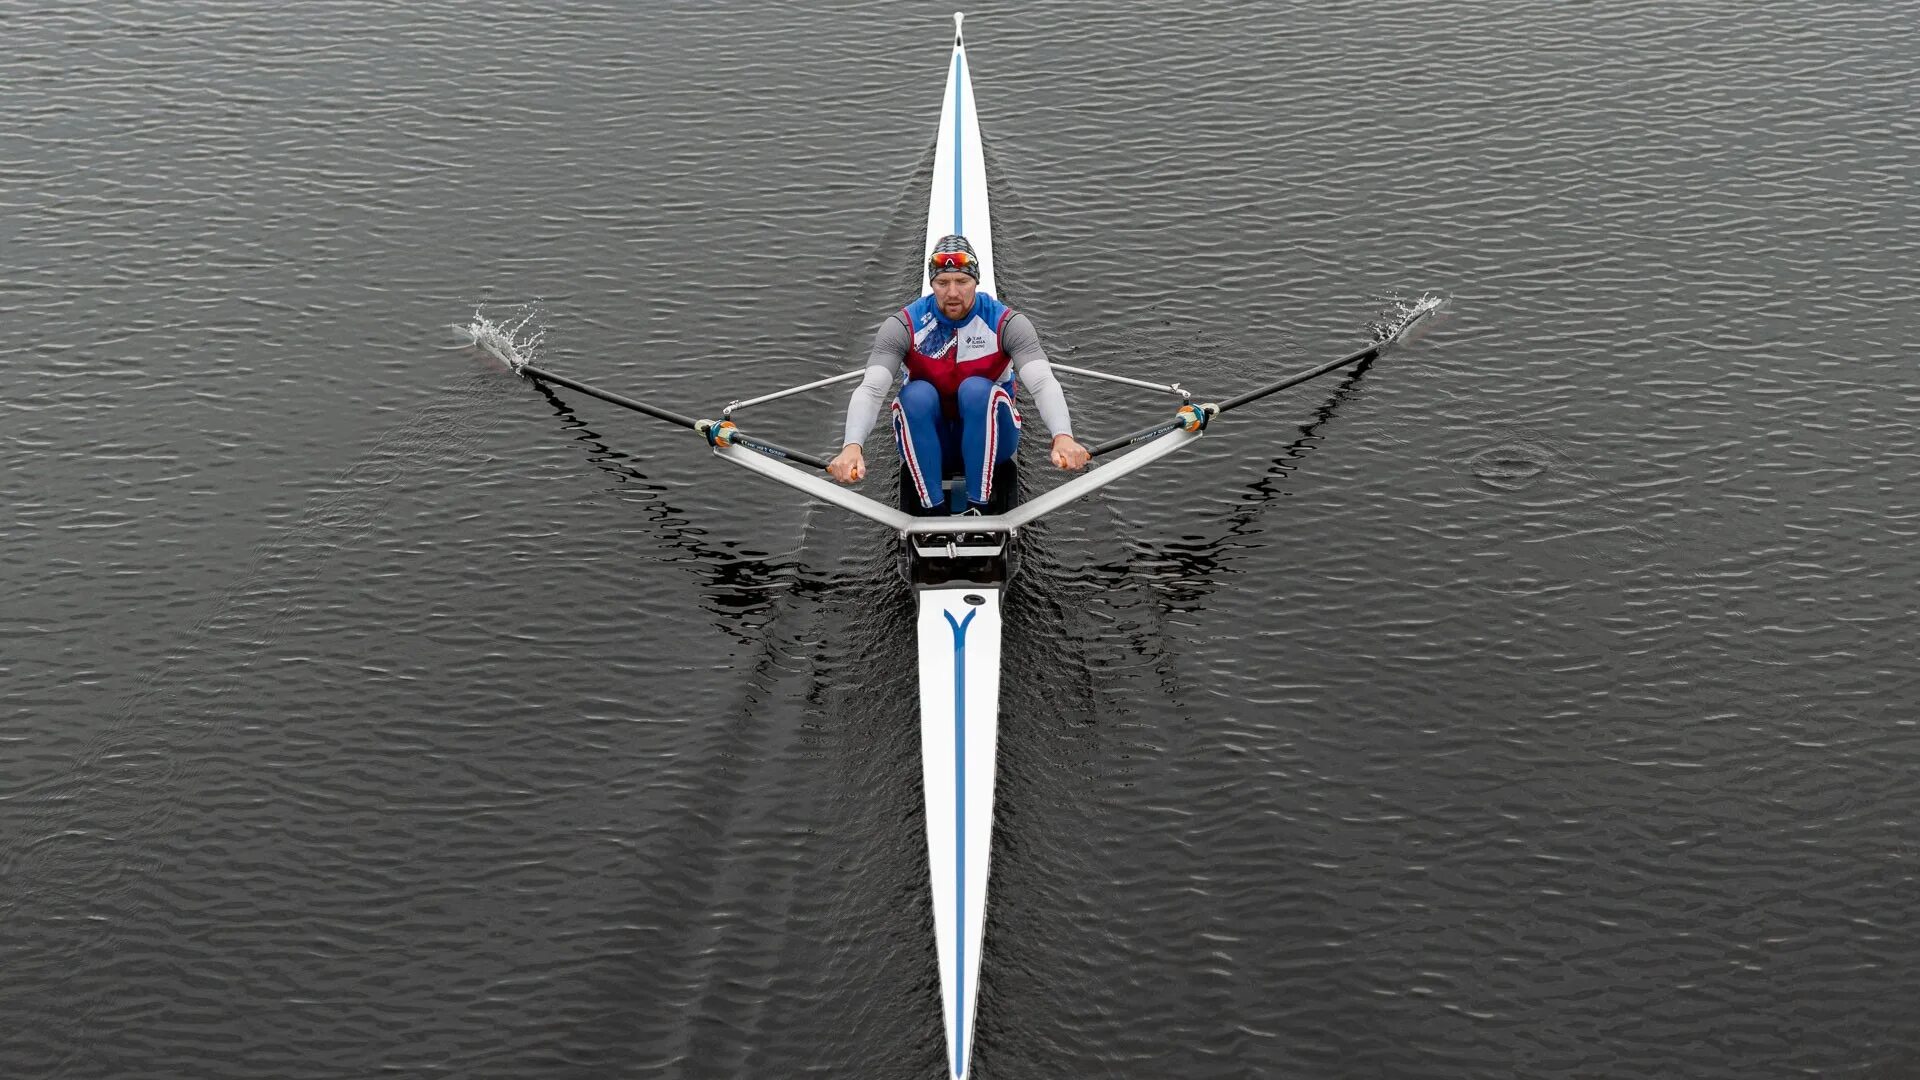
(958, 203)
(959, 631)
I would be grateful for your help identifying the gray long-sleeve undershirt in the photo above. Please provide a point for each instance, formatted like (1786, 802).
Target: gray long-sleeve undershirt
(890, 343)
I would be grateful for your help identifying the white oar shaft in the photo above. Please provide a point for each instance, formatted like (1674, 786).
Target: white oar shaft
(1165, 388)
(734, 406)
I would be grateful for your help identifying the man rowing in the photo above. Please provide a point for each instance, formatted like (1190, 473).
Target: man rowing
(964, 352)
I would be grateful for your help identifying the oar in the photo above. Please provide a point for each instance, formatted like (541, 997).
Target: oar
(719, 433)
(1195, 417)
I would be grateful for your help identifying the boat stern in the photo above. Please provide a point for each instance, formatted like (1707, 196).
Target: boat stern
(959, 631)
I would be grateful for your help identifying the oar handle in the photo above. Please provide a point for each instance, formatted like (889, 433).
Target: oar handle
(774, 449)
(1189, 418)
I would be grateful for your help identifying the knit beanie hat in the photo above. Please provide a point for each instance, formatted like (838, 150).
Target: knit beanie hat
(953, 253)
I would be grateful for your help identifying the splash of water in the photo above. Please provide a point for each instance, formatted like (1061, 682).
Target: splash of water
(1406, 320)
(509, 340)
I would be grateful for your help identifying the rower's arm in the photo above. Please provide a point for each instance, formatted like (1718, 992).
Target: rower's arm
(883, 367)
(1022, 342)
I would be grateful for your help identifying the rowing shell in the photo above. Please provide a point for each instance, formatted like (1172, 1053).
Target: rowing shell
(959, 626)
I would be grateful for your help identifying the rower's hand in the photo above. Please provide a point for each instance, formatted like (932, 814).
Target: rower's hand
(848, 465)
(1068, 454)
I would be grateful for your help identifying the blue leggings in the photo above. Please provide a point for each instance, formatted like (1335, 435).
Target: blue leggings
(932, 445)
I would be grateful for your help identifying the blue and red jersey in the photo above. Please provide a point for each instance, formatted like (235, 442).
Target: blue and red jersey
(946, 353)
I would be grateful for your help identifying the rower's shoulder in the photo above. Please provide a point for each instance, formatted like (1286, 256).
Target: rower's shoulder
(991, 308)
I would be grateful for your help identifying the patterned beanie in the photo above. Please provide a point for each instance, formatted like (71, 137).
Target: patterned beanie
(950, 254)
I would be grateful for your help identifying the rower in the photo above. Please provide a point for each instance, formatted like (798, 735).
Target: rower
(964, 352)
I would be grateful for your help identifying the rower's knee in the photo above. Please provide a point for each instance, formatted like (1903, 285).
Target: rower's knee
(919, 397)
(973, 394)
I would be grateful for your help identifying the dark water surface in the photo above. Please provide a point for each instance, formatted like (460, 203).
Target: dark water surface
(1537, 702)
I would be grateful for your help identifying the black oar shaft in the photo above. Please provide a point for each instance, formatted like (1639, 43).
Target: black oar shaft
(764, 446)
(1148, 433)
(609, 396)
(1367, 353)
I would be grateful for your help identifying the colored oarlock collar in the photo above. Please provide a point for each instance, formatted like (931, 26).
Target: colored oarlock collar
(1196, 417)
(718, 433)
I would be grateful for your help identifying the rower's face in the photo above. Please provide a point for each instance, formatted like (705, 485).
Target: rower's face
(953, 291)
